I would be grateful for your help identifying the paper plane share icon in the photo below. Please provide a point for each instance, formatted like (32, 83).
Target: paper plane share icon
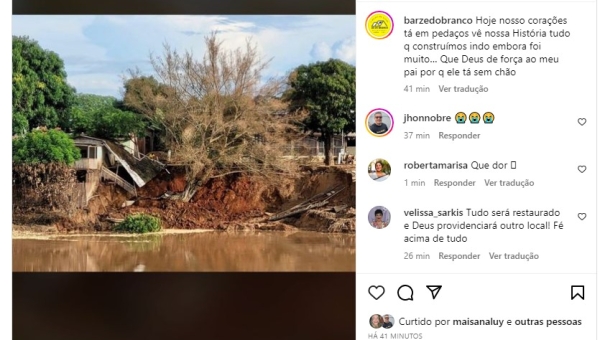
(578, 292)
(435, 290)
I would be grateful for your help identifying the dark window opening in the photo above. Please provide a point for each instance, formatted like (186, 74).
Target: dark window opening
(81, 175)
(84, 152)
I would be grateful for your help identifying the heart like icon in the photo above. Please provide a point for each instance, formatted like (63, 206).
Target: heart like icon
(582, 168)
(582, 216)
(582, 121)
(376, 292)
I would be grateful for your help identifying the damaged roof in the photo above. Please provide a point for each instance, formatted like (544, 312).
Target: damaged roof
(87, 140)
(141, 170)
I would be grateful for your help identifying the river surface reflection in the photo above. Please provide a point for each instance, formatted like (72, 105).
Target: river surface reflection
(186, 252)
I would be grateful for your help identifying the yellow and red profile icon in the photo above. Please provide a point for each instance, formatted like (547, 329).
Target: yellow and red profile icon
(379, 25)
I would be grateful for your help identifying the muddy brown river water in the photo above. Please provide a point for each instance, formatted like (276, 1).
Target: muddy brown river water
(185, 252)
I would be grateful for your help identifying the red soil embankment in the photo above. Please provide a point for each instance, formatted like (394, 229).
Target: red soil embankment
(238, 198)
(235, 201)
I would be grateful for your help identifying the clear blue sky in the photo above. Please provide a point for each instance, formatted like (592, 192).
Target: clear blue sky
(98, 50)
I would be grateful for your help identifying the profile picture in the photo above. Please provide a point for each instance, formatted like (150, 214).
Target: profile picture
(376, 321)
(388, 321)
(380, 170)
(379, 25)
(379, 122)
(379, 217)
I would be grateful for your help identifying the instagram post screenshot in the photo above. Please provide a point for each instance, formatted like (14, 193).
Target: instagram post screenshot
(183, 172)
(325, 169)
(476, 170)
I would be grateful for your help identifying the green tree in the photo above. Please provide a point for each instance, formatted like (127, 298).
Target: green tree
(102, 117)
(114, 123)
(40, 90)
(326, 91)
(84, 109)
(38, 146)
(19, 123)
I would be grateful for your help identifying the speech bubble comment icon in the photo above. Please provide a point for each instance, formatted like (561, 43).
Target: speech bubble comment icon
(405, 293)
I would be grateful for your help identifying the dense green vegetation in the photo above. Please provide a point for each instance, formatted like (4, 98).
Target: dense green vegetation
(139, 224)
(102, 117)
(41, 95)
(40, 146)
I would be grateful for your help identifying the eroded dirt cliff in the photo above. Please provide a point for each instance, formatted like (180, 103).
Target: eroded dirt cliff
(235, 202)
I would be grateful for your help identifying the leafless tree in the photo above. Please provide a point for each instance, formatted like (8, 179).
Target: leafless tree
(219, 116)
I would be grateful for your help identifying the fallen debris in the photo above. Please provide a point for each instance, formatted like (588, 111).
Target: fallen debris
(316, 201)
